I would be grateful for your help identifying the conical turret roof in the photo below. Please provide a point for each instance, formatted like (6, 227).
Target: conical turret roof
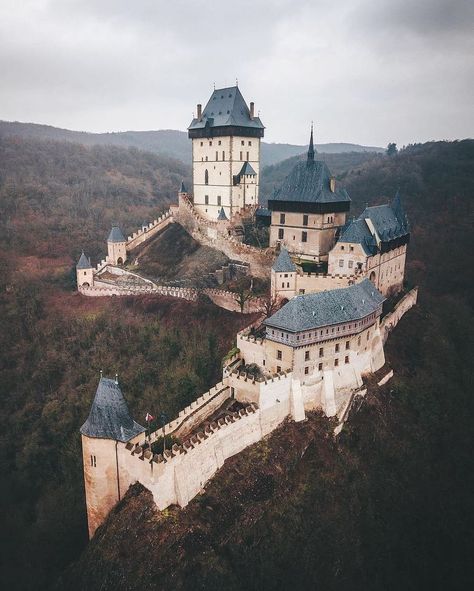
(83, 262)
(109, 417)
(283, 263)
(116, 235)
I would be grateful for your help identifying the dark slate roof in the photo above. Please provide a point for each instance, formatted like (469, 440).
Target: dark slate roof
(83, 262)
(283, 263)
(390, 222)
(357, 232)
(116, 235)
(247, 169)
(316, 310)
(222, 216)
(109, 417)
(309, 182)
(226, 107)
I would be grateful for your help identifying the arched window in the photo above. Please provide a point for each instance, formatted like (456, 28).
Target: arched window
(206, 177)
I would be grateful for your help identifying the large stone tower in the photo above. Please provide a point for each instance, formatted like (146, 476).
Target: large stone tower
(226, 154)
(116, 247)
(105, 476)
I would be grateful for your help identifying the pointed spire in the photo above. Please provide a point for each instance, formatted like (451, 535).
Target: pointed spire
(183, 188)
(311, 146)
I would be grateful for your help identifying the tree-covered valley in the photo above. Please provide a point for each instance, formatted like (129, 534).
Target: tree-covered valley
(386, 505)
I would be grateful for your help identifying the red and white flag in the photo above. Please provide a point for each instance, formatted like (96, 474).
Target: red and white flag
(148, 417)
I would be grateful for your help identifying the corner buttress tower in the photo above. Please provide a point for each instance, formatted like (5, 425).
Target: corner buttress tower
(226, 154)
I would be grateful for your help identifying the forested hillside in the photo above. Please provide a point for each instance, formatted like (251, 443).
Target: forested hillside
(389, 505)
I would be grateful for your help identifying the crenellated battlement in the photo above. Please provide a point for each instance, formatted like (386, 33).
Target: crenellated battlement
(149, 230)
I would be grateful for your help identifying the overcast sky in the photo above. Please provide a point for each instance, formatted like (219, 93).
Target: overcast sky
(366, 71)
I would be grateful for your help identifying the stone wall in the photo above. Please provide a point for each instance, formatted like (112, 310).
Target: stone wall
(390, 321)
(150, 230)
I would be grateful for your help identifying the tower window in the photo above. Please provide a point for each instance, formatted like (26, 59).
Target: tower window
(206, 176)
(219, 199)
(279, 354)
(321, 352)
(306, 371)
(202, 143)
(320, 367)
(278, 368)
(243, 143)
(210, 143)
(206, 199)
(348, 344)
(346, 359)
(219, 142)
(281, 233)
(304, 236)
(282, 218)
(217, 155)
(306, 355)
(248, 156)
(223, 155)
(336, 362)
(93, 461)
(341, 262)
(337, 348)
(305, 220)
(241, 155)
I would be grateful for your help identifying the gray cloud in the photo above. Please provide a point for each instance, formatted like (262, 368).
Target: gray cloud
(365, 72)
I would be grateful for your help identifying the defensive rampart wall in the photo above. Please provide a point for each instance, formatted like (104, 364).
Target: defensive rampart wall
(390, 321)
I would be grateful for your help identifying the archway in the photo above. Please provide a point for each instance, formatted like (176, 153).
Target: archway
(85, 284)
(120, 261)
(372, 277)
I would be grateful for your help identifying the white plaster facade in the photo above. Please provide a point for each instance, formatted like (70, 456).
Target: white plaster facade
(216, 163)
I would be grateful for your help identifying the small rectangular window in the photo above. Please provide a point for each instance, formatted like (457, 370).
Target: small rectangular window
(320, 367)
(304, 236)
(282, 218)
(241, 155)
(217, 155)
(306, 355)
(351, 248)
(242, 142)
(337, 348)
(223, 155)
(219, 142)
(279, 354)
(321, 352)
(348, 344)
(280, 233)
(283, 285)
(306, 371)
(248, 156)
(278, 368)
(351, 264)
(219, 199)
(336, 362)
(202, 143)
(346, 359)
(250, 143)
(305, 220)
(341, 262)
(210, 143)
(206, 199)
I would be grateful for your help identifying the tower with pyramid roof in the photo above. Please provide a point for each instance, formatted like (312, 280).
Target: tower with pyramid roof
(84, 272)
(225, 138)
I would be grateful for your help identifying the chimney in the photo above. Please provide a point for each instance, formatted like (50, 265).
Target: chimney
(332, 184)
(199, 112)
(252, 110)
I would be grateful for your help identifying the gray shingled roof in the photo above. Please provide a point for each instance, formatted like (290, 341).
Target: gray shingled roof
(226, 107)
(116, 235)
(83, 262)
(109, 417)
(316, 310)
(357, 232)
(222, 216)
(283, 263)
(309, 181)
(390, 222)
(247, 169)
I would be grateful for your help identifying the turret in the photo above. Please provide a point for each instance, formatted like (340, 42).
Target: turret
(283, 277)
(108, 425)
(84, 272)
(116, 247)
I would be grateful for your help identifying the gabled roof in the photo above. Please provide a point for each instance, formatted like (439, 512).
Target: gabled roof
(226, 107)
(109, 417)
(389, 221)
(309, 182)
(116, 235)
(247, 169)
(283, 263)
(316, 310)
(222, 216)
(83, 262)
(357, 232)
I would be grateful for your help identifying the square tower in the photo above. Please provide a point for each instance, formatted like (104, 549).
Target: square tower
(226, 154)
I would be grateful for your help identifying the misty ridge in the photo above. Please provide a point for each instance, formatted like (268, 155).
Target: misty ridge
(167, 142)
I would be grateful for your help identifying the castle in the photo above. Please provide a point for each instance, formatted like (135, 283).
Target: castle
(313, 352)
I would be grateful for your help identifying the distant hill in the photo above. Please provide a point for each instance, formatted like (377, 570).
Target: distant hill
(168, 142)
